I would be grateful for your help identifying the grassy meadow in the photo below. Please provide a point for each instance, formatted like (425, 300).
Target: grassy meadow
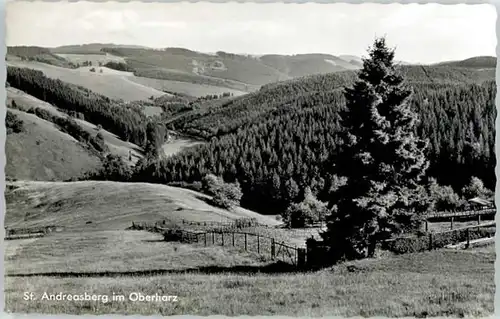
(415, 285)
(43, 152)
(111, 83)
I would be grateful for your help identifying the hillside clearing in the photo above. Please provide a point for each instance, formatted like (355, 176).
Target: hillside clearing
(111, 83)
(177, 144)
(42, 152)
(192, 89)
(111, 205)
(116, 146)
(94, 58)
(415, 285)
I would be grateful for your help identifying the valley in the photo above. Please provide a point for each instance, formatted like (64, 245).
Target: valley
(198, 141)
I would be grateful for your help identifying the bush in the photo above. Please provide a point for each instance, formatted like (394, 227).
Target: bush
(13, 123)
(245, 222)
(227, 195)
(113, 169)
(307, 212)
(407, 245)
(444, 198)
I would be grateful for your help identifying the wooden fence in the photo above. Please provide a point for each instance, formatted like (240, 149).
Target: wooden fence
(263, 245)
(32, 232)
(431, 241)
(468, 213)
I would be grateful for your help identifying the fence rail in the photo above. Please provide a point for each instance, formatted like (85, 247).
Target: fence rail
(263, 245)
(431, 241)
(468, 213)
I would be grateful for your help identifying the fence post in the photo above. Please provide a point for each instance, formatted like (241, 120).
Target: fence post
(451, 224)
(213, 238)
(222, 233)
(273, 249)
(430, 241)
(245, 241)
(205, 239)
(478, 219)
(426, 225)
(233, 239)
(301, 257)
(468, 238)
(258, 244)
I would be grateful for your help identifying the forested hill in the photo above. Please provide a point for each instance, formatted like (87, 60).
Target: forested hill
(475, 62)
(311, 91)
(283, 138)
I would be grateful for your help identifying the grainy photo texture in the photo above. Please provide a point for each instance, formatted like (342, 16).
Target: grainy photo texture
(250, 159)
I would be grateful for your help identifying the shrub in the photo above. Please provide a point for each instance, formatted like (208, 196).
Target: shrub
(405, 245)
(444, 197)
(113, 169)
(307, 212)
(227, 195)
(13, 123)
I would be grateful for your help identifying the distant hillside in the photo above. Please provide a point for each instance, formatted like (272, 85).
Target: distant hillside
(43, 152)
(91, 48)
(244, 69)
(475, 62)
(277, 98)
(116, 146)
(39, 54)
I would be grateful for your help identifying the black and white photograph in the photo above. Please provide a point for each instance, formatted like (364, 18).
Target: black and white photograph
(302, 160)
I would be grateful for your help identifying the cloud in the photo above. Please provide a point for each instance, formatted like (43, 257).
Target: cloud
(422, 33)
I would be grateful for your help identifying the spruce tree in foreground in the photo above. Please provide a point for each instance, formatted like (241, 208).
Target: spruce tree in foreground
(382, 159)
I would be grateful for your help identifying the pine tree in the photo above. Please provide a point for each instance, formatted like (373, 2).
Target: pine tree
(381, 158)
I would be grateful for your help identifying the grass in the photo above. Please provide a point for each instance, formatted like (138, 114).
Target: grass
(94, 58)
(116, 145)
(42, 152)
(111, 83)
(192, 89)
(112, 252)
(177, 144)
(437, 283)
(110, 205)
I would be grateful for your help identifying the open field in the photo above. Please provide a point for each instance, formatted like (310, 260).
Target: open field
(177, 144)
(116, 145)
(414, 285)
(43, 152)
(192, 89)
(111, 205)
(111, 83)
(114, 251)
(94, 58)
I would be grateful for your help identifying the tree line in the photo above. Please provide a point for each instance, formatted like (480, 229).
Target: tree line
(276, 157)
(129, 123)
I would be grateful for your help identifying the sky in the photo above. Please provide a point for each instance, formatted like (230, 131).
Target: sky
(420, 33)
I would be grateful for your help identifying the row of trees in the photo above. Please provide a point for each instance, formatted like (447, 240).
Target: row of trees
(127, 122)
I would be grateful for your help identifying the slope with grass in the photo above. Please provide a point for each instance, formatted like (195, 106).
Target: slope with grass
(111, 83)
(116, 145)
(430, 284)
(246, 69)
(111, 205)
(480, 62)
(192, 89)
(114, 251)
(95, 59)
(43, 152)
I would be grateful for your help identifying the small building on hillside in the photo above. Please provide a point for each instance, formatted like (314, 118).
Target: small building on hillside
(480, 203)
